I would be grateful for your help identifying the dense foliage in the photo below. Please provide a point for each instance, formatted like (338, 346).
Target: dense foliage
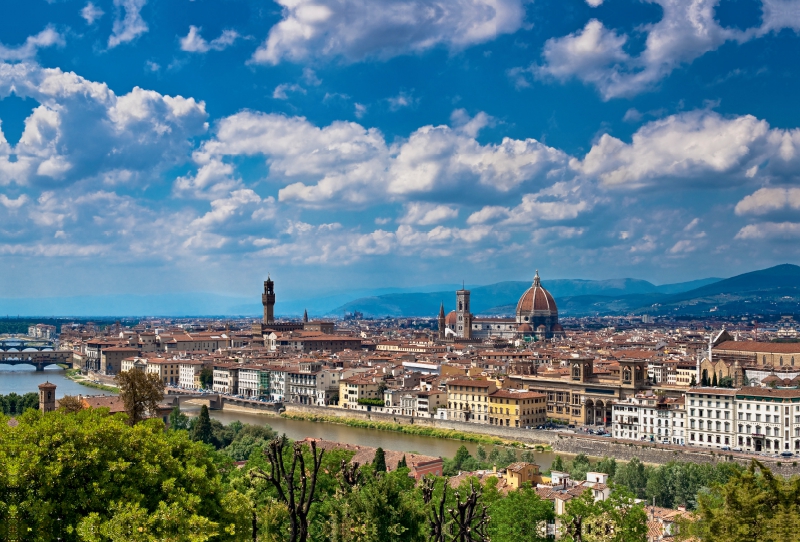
(85, 475)
(671, 485)
(499, 457)
(91, 476)
(752, 505)
(13, 404)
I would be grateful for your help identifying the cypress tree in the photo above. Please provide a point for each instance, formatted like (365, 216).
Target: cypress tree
(202, 429)
(379, 463)
(714, 380)
(402, 463)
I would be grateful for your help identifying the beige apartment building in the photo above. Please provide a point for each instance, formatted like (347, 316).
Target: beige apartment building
(468, 400)
(358, 387)
(168, 370)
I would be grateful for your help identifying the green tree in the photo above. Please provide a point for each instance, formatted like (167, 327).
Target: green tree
(557, 465)
(379, 461)
(457, 464)
(178, 420)
(752, 505)
(140, 392)
(714, 380)
(380, 508)
(578, 467)
(70, 404)
(480, 453)
(99, 478)
(202, 429)
(521, 516)
(14, 404)
(615, 519)
(207, 378)
(607, 465)
(402, 464)
(633, 475)
(528, 456)
(248, 440)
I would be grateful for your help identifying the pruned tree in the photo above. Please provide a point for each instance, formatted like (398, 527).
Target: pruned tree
(140, 392)
(470, 518)
(69, 404)
(294, 484)
(351, 475)
(436, 516)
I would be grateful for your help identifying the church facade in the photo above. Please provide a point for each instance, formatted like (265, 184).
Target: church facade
(536, 317)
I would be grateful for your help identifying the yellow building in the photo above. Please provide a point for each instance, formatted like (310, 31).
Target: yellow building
(468, 400)
(516, 408)
(358, 387)
(520, 473)
(168, 370)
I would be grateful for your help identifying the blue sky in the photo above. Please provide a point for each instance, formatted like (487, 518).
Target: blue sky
(157, 146)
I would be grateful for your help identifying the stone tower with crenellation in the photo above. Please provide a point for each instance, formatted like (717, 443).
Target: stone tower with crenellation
(268, 300)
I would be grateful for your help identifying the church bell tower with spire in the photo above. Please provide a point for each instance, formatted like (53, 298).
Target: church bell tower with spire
(442, 325)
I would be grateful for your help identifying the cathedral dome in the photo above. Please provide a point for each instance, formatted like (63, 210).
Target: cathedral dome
(450, 320)
(525, 328)
(536, 298)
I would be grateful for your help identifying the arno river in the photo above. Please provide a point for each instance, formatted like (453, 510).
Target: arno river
(23, 379)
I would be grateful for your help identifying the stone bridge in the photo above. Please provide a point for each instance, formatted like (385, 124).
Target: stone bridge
(176, 397)
(19, 344)
(39, 359)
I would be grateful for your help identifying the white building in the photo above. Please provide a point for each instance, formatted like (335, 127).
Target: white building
(189, 374)
(226, 379)
(768, 420)
(651, 418)
(711, 413)
(249, 381)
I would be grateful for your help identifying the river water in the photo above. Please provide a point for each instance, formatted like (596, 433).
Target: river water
(24, 379)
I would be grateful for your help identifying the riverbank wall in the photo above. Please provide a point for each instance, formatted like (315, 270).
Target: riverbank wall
(567, 443)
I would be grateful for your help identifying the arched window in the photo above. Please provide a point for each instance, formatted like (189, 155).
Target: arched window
(781, 362)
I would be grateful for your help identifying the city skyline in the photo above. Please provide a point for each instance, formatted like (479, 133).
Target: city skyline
(150, 147)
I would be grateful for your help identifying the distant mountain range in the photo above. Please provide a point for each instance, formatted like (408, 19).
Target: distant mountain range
(501, 299)
(767, 291)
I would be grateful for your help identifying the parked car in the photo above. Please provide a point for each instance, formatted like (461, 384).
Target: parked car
(737, 449)
(726, 448)
(787, 453)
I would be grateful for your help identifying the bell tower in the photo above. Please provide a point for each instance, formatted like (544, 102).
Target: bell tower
(268, 300)
(47, 397)
(463, 316)
(442, 324)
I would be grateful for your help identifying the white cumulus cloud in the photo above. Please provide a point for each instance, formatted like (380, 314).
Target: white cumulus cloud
(46, 38)
(128, 22)
(193, 42)
(767, 200)
(687, 30)
(355, 29)
(426, 214)
(91, 13)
